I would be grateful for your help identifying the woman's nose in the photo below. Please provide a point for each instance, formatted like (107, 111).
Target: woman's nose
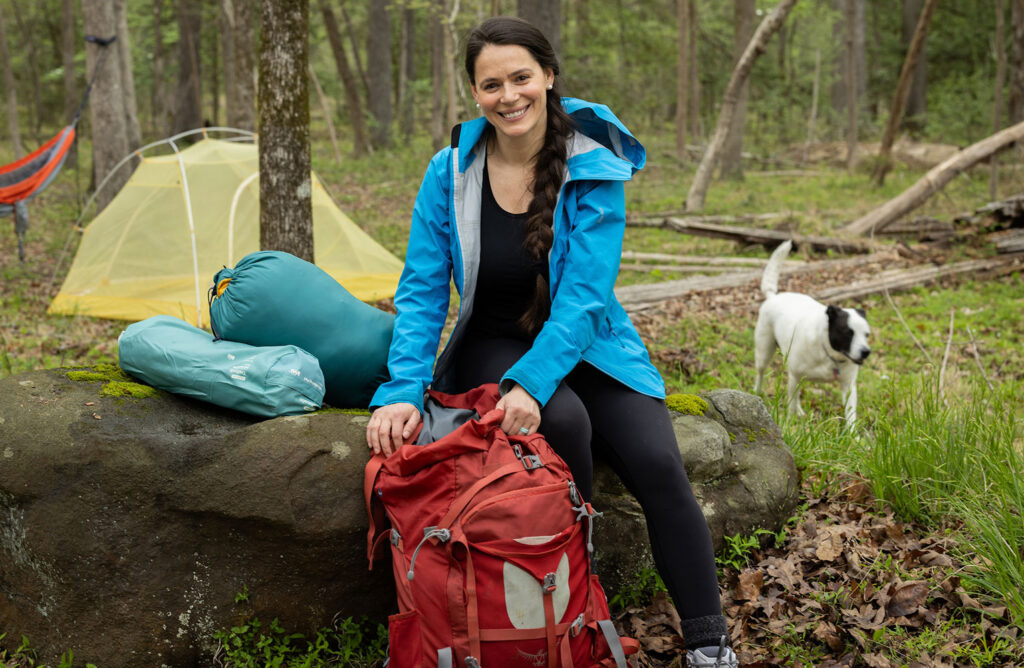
(508, 93)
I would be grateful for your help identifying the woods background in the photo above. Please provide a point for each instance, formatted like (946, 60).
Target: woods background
(382, 71)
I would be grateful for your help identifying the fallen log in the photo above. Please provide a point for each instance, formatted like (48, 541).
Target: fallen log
(1008, 241)
(934, 180)
(910, 278)
(751, 235)
(698, 259)
(636, 298)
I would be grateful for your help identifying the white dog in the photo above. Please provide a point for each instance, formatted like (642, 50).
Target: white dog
(818, 342)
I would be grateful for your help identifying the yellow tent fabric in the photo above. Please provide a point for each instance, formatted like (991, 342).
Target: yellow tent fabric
(155, 248)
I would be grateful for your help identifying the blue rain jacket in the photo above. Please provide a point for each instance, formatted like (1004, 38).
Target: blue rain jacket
(586, 323)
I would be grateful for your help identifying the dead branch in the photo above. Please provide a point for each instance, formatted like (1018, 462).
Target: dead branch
(934, 181)
(698, 259)
(766, 238)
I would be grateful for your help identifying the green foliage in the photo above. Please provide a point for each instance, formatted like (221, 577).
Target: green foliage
(638, 592)
(25, 657)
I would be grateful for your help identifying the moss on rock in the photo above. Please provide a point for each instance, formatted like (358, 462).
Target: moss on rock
(690, 404)
(119, 388)
(86, 376)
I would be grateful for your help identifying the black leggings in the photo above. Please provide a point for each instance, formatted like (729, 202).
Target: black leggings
(590, 413)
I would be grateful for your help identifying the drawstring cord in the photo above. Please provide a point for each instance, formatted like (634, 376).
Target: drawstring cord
(443, 535)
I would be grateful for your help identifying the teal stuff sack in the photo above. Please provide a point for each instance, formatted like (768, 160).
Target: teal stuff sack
(172, 355)
(274, 298)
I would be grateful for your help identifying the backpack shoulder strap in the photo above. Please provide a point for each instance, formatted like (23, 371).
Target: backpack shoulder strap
(374, 509)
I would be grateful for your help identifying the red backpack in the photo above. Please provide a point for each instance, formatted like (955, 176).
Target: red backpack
(490, 545)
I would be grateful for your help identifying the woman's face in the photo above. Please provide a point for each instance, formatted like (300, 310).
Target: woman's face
(511, 89)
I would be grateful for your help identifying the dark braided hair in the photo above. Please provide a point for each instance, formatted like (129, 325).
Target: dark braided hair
(549, 163)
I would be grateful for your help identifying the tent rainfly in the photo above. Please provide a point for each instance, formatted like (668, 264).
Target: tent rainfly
(183, 216)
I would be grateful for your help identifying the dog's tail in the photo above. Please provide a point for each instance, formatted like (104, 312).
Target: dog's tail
(770, 279)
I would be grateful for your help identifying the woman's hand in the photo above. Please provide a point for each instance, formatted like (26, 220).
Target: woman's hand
(522, 412)
(389, 427)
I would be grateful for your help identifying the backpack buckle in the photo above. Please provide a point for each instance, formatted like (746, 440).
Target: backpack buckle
(529, 462)
(471, 662)
(549, 583)
(576, 626)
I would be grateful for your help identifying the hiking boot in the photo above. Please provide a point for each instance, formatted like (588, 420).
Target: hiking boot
(712, 657)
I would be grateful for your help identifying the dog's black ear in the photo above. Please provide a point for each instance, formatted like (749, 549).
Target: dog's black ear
(863, 313)
(833, 312)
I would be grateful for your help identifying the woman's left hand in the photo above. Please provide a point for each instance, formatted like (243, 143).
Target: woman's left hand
(522, 412)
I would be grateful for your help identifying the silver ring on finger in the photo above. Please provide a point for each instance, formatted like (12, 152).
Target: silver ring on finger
(524, 430)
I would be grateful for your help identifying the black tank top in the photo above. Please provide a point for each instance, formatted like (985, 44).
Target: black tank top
(507, 279)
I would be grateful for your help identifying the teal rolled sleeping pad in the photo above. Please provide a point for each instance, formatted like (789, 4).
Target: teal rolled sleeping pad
(172, 355)
(273, 298)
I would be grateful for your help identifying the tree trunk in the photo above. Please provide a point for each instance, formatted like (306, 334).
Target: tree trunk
(696, 128)
(378, 60)
(360, 142)
(286, 212)
(546, 16)
(326, 109)
(124, 50)
(28, 34)
(12, 95)
(109, 123)
(67, 48)
(997, 105)
(732, 150)
(354, 42)
(1017, 62)
(935, 180)
(448, 42)
(770, 24)
(851, 72)
(884, 162)
(437, 67)
(682, 77)
(226, 20)
(242, 114)
(839, 92)
(914, 118)
(812, 121)
(213, 53)
(158, 95)
(407, 72)
(188, 110)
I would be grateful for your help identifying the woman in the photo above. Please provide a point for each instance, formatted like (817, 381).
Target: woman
(526, 211)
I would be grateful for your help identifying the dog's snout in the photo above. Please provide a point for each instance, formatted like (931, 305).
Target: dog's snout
(864, 353)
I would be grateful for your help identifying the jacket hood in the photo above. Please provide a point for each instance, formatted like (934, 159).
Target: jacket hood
(594, 121)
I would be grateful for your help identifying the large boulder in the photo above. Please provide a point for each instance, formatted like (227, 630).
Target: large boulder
(131, 518)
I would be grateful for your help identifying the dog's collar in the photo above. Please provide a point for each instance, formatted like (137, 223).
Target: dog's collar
(835, 364)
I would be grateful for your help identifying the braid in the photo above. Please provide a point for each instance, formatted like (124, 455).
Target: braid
(548, 171)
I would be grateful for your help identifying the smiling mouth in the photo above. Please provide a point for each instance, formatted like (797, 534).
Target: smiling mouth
(514, 115)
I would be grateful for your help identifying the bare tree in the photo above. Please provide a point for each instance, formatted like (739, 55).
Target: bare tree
(286, 211)
(545, 15)
(768, 27)
(242, 114)
(159, 101)
(406, 71)
(850, 69)
(448, 43)
(188, 109)
(360, 140)
(131, 108)
(682, 76)
(696, 128)
(226, 20)
(437, 69)
(839, 92)
(12, 94)
(997, 105)
(28, 35)
(1017, 62)
(67, 49)
(732, 150)
(109, 124)
(378, 57)
(884, 162)
(913, 118)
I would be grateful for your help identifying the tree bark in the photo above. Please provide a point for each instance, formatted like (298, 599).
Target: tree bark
(547, 17)
(884, 162)
(770, 24)
(997, 105)
(286, 212)
(13, 128)
(108, 122)
(696, 127)
(158, 94)
(914, 118)
(935, 180)
(360, 140)
(378, 61)
(682, 77)
(67, 49)
(242, 114)
(732, 150)
(851, 71)
(407, 72)
(27, 32)
(1017, 62)
(839, 91)
(813, 119)
(188, 110)
(449, 64)
(226, 19)
(124, 49)
(437, 68)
